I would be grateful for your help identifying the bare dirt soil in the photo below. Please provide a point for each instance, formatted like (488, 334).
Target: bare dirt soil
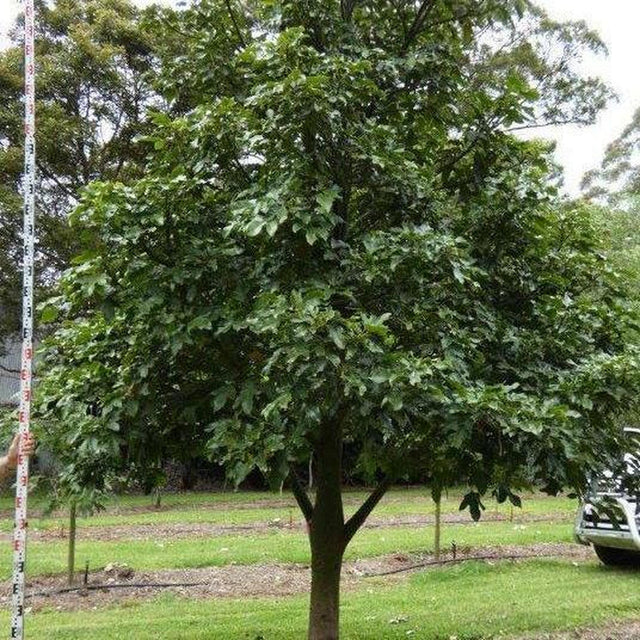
(625, 631)
(119, 584)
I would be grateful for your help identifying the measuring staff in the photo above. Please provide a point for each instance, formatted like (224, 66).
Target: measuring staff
(22, 458)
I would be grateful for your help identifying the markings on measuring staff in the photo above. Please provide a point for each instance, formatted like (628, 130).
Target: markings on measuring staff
(29, 187)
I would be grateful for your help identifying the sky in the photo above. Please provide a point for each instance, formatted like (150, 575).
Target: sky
(618, 23)
(579, 148)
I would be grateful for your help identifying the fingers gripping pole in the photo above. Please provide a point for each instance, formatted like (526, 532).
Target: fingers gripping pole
(22, 477)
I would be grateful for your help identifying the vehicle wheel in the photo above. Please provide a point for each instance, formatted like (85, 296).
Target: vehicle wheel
(613, 557)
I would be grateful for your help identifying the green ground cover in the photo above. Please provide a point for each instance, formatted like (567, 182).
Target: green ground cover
(276, 545)
(470, 601)
(254, 507)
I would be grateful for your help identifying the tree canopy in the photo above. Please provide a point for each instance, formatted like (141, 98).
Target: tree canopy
(337, 240)
(618, 178)
(92, 95)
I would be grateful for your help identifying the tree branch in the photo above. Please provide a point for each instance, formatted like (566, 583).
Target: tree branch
(461, 155)
(358, 518)
(541, 125)
(68, 191)
(235, 23)
(425, 9)
(301, 496)
(346, 8)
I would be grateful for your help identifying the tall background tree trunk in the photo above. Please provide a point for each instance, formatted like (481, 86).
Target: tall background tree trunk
(326, 534)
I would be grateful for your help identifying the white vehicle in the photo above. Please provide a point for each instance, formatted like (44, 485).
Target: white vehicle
(609, 517)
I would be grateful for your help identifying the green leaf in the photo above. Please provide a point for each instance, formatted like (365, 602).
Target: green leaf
(49, 314)
(394, 401)
(108, 309)
(515, 500)
(255, 226)
(326, 198)
(501, 493)
(246, 399)
(337, 335)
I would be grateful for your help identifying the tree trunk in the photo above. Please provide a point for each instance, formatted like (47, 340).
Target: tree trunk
(157, 497)
(436, 535)
(326, 534)
(436, 495)
(71, 557)
(188, 476)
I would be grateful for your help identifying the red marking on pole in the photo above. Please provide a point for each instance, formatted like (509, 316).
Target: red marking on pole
(29, 186)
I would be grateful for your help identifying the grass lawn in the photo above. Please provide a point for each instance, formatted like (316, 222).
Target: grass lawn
(250, 507)
(275, 546)
(470, 601)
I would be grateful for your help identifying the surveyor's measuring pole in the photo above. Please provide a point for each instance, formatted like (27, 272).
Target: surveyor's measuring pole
(29, 187)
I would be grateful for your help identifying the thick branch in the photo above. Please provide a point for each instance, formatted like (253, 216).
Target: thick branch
(301, 496)
(425, 9)
(357, 519)
(347, 7)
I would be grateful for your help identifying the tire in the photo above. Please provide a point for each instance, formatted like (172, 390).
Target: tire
(613, 557)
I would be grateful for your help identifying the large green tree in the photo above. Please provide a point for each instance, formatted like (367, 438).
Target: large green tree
(337, 241)
(92, 94)
(617, 180)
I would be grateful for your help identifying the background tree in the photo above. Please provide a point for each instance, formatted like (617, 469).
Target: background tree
(92, 94)
(83, 473)
(93, 89)
(342, 244)
(617, 180)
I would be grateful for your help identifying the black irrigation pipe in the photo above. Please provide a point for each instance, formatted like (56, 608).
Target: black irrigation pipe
(432, 563)
(102, 587)
(168, 585)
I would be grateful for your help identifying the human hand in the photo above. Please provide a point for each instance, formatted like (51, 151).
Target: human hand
(28, 447)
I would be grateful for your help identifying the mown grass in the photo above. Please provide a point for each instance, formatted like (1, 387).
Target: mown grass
(253, 507)
(276, 546)
(469, 602)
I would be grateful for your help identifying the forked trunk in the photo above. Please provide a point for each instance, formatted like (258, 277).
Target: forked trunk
(329, 534)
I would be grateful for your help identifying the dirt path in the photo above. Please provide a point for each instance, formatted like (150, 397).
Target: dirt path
(248, 581)
(624, 631)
